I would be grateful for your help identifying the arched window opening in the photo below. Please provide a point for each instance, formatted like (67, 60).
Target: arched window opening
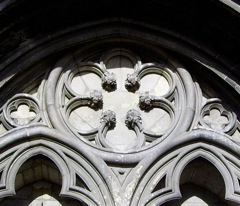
(38, 183)
(36, 169)
(201, 184)
(194, 195)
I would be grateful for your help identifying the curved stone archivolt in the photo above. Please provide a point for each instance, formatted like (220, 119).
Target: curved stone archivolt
(158, 185)
(78, 179)
(162, 183)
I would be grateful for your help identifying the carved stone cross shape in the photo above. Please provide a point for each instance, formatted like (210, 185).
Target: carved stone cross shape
(216, 120)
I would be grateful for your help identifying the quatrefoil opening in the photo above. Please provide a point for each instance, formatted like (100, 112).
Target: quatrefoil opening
(21, 110)
(23, 114)
(216, 117)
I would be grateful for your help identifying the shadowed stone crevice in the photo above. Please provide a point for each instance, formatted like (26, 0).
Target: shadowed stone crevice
(203, 183)
(1, 172)
(160, 185)
(81, 183)
(39, 182)
(37, 168)
(197, 196)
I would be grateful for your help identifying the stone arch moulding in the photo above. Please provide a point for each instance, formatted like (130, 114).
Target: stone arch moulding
(124, 33)
(70, 165)
(169, 168)
(37, 113)
(216, 148)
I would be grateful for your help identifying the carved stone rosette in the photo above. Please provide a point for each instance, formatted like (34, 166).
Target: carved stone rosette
(134, 121)
(109, 81)
(108, 122)
(146, 101)
(132, 83)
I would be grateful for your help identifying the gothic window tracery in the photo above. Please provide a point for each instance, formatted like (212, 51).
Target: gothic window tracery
(121, 119)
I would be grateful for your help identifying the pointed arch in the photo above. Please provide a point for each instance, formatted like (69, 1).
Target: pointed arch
(72, 167)
(213, 158)
(60, 163)
(205, 145)
(195, 195)
(38, 182)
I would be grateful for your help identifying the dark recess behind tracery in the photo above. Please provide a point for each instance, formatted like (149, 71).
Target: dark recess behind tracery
(210, 81)
(207, 21)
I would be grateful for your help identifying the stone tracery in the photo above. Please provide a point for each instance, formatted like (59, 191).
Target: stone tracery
(122, 112)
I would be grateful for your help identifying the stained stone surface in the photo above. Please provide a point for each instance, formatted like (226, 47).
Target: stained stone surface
(156, 120)
(154, 83)
(121, 102)
(85, 118)
(85, 82)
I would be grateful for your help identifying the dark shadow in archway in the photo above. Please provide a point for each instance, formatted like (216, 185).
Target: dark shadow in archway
(38, 182)
(201, 180)
(195, 195)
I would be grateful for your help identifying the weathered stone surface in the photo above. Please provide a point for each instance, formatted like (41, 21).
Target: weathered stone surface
(142, 110)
